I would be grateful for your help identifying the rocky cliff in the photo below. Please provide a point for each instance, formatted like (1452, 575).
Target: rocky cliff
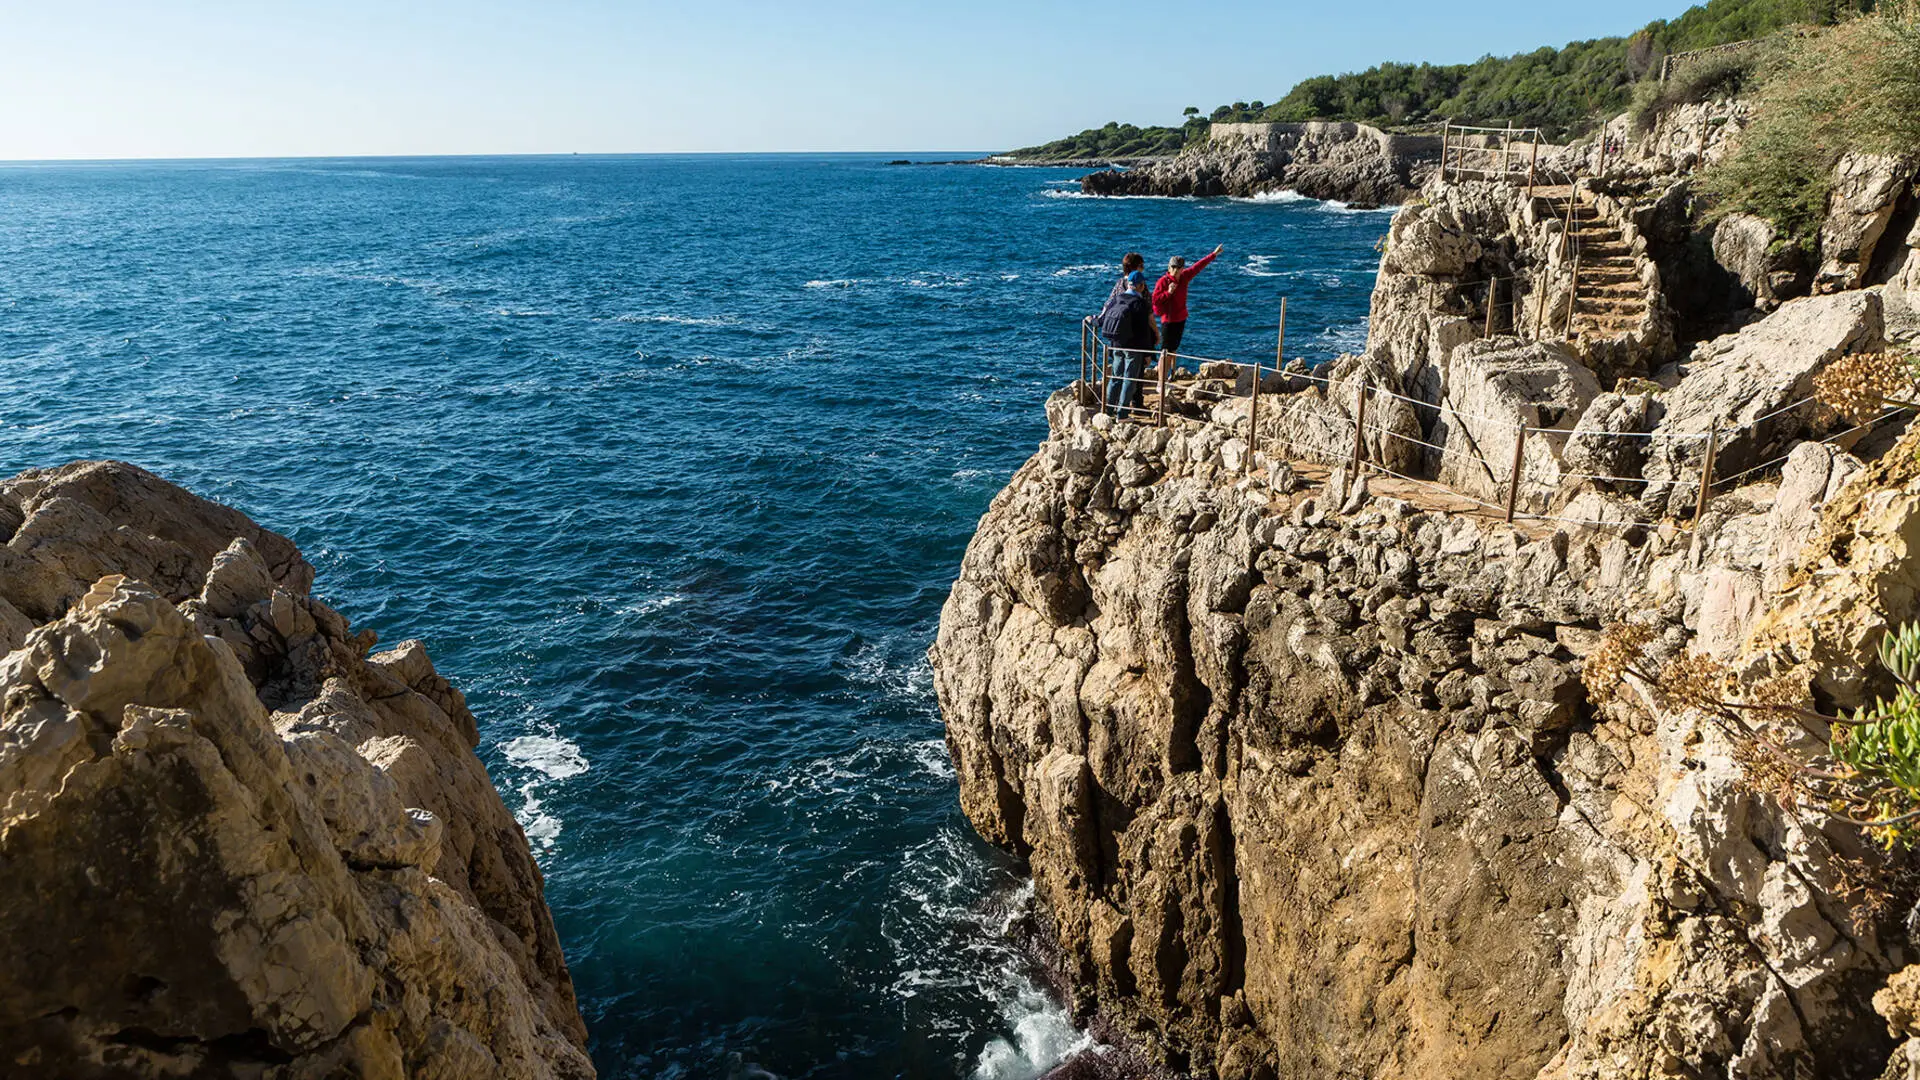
(1308, 774)
(1310, 785)
(234, 839)
(1353, 163)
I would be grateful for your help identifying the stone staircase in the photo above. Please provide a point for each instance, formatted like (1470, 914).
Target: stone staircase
(1610, 301)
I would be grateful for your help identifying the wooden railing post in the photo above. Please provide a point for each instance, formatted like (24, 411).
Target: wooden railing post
(1446, 132)
(1493, 294)
(1506, 148)
(1706, 471)
(1359, 430)
(1533, 162)
(1540, 310)
(1513, 477)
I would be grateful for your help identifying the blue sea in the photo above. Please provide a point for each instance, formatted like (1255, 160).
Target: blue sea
(670, 461)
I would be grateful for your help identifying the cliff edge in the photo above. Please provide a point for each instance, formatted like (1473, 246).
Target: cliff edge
(234, 841)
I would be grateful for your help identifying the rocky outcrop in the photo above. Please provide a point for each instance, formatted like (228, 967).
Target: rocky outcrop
(1310, 786)
(1351, 163)
(1867, 190)
(234, 840)
(1756, 388)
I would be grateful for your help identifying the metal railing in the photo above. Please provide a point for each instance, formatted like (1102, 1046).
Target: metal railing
(1096, 361)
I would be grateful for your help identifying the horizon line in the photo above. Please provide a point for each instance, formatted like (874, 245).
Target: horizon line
(975, 155)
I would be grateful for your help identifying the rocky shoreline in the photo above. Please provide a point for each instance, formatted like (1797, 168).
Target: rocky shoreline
(236, 839)
(1350, 163)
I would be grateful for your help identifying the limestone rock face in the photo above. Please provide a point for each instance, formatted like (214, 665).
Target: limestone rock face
(234, 843)
(1309, 785)
(1866, 188)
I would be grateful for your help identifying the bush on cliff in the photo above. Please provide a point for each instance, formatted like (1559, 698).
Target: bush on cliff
(1853, 87)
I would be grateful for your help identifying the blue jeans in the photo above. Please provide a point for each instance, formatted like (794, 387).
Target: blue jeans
(1129, 379)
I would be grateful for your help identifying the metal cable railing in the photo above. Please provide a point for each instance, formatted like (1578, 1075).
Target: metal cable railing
(1113, 394)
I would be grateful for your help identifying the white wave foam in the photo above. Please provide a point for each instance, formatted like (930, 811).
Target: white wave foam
(1346, 337)
(1258, 266)
(652, 604)
(1062, 193)
(933, 757)
(513, 313)
(1287, 196)
(1085, 268)
(552, 757)
(542, 828)
(938, 280)
(833, 283)
(681, 320)
(1043, 1036)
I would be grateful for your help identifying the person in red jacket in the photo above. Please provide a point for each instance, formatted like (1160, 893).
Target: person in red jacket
(1170, 297)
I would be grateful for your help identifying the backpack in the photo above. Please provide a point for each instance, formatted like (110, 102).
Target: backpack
(1112, 317)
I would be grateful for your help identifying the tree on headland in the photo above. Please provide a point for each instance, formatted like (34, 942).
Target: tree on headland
(1564, 91)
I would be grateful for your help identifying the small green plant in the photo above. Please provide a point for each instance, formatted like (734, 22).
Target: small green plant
(1878, 750)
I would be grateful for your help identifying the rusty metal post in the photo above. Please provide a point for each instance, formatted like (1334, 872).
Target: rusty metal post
(1446, 132)
(1360, 429)
(1160, 407)
(1106, 373)
(1493, 294)
(1513, 477)
(1706, 471)
(1253, 421)
(1573, 293)
(1280, 346)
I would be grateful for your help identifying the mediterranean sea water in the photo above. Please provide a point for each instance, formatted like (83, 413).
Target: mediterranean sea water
(670, 461)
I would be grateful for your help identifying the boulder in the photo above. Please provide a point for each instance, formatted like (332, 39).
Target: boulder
(1491, 389)
(1755, 388)
(1428, 241)
(1811, 477)
(1609, 440)
(1744, 246)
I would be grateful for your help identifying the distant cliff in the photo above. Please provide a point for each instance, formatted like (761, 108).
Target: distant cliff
(1353, 163)
(234, 841)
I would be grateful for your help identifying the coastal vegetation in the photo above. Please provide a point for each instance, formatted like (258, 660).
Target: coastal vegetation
(1850, 88)
(1564, 91)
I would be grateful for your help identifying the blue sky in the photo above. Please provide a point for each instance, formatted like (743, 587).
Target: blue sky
(110, 80)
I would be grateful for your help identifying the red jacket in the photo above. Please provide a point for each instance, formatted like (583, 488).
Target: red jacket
(1170, 292)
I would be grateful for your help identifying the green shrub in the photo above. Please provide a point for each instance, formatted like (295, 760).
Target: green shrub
(1714, 76)
(1854, 87)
